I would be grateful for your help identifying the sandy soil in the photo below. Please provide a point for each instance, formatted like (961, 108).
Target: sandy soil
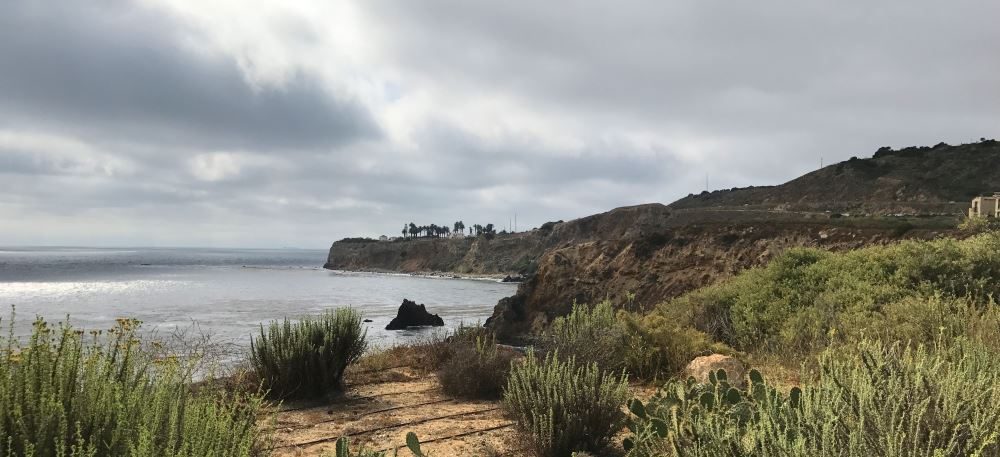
(380, 408)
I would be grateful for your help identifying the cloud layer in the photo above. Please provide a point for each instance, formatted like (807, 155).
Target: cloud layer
(169, 122)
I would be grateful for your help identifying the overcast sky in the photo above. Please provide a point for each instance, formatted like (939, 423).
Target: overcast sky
(296, 123)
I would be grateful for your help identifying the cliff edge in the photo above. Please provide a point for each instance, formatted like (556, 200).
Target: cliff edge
(641, 255)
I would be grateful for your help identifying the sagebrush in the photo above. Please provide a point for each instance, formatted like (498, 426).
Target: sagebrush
(476, 368)
(66, 392)
(307, 359)
(589, 334)
(562, 407)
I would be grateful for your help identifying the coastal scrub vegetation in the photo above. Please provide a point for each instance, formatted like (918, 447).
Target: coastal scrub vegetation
(307, 359)
(647, 347)
(589, 334)
(893, 342)
(886, 399)
(979, 224)
(475, 367)
(69, 393)
(808, 299)
(896, 345)
(562, 406)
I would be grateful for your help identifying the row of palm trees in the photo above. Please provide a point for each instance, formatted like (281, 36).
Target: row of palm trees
(412, 230)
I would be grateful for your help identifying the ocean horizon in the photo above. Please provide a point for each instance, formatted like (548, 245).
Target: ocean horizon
(226, 293)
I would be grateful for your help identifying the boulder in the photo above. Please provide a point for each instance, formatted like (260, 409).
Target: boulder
(411, 314)
(700, 367)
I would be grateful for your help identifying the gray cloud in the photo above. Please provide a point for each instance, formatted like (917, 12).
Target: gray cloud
(106, 68)
(126, 123)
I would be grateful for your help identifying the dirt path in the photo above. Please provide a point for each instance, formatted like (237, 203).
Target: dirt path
(379, 409)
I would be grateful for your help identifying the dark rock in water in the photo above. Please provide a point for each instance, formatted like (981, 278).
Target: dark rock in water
(367, 320)
(411, 314)
(518, 278)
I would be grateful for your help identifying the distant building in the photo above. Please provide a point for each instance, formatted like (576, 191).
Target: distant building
(985, 206)
(383, 238)
(458, 234)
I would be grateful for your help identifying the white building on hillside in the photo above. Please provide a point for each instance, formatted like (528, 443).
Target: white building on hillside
(985, 206)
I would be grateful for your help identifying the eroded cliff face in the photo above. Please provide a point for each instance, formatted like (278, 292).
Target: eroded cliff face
(653, 251)
(660, 265)
(501, 255)
(504, 254)
(658, 252)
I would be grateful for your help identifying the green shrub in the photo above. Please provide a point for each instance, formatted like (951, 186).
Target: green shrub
(562, 407)
(307, 359)
(657, 347)
(475, 368)
(589, 335)
(979, 224)
(806, 299)
(69, 394)
(646, 346)
(880, 399)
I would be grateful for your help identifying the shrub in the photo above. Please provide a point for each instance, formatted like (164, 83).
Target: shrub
(656, 346)
(646, 347)
(562, 407)
(307, 359)
(979, 224)
(589, 335)
(880, 399)
(475, 368)
(64, 393)
(805, 299)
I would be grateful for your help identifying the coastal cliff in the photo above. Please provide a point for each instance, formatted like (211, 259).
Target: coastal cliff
(638, 256)
(641, 271)
(504, 254)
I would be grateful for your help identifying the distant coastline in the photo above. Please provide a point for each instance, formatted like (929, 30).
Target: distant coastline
(426, 274)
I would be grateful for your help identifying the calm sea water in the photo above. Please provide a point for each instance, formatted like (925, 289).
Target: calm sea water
(226, 292)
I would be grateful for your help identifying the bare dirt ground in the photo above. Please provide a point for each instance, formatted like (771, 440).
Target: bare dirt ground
(378, 410)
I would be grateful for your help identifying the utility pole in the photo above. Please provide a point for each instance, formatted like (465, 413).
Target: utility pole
(515, 221)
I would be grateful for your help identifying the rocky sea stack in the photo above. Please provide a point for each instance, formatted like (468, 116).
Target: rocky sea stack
(411, 314)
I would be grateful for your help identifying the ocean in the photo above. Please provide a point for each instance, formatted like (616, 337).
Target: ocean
(225, 293)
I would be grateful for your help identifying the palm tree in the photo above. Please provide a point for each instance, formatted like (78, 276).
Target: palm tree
(414, 230)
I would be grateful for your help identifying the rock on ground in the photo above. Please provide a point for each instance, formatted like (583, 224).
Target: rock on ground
(700, 367)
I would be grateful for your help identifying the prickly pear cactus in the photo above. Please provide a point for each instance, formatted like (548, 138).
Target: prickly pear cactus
(679, 417)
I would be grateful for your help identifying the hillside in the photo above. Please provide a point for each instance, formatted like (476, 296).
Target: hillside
(504, 254)
(914, 180)
(661, 251)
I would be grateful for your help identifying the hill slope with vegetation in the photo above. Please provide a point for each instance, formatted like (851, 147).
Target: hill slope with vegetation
(912, 180)
(646, 254)
(912, 193)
